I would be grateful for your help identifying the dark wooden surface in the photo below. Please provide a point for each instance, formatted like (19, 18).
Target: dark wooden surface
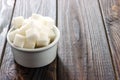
(89, 45)
(111, 15)
(83, 51)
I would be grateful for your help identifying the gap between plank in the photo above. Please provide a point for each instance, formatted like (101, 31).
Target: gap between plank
(5, 42)
(57, 48)
(107, 38)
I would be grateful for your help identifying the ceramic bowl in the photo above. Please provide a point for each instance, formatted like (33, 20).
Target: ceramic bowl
(37, 57)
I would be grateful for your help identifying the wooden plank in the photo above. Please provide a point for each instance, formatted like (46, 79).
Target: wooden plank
(83, 52)
(111, 14)
(6, 8)
(12, 71)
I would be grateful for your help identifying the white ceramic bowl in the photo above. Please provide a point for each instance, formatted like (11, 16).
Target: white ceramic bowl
(37, 57)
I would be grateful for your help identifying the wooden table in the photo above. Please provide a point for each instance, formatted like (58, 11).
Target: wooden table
(89, 47)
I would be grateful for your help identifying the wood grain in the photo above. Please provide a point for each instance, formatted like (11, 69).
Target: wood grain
(111, 16)
(6, 8)
(11, 70)
(83, 52)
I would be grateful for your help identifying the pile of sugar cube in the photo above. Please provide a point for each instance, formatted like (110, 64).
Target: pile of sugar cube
(35, 31)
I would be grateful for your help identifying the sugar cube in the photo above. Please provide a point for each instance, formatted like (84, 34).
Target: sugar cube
(24, 28)
(32, 34)
(12, 34)
(36, 16)
(29, 44)
(19, 40)
(49, 22)
(44, 40)
(18, 21)
(51, 35)
(26, 21)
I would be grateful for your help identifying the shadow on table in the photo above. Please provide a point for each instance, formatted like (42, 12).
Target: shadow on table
(63, 73)
(44, 73)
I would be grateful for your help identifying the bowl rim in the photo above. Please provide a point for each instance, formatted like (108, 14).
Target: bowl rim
(57, 32)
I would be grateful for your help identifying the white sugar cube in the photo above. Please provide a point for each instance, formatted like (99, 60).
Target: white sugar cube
(37, 25)
(51, 35)
(49, 22)
(19, 40)
(26, 21)
(18, 21)
(25, 27)
(29, 44)
(44, 40)
(36, 16)
(12, 34)
(45, 29)
(32, 34)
